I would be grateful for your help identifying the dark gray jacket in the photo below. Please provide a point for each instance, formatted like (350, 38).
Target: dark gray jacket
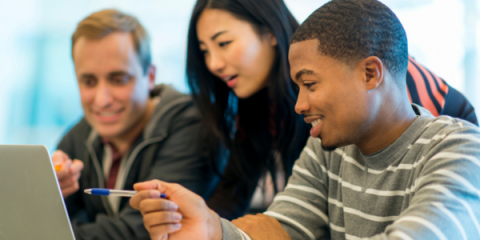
(168, 149)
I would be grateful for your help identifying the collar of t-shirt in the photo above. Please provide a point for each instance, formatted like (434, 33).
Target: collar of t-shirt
(385, 157)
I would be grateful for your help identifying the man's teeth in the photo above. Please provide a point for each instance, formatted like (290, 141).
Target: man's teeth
(314, 123)
(107, 114)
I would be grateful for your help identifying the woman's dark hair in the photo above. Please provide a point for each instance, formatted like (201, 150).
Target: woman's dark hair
(252, 128)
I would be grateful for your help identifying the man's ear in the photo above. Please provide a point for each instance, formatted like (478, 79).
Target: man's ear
(374, 71)
(151, 73)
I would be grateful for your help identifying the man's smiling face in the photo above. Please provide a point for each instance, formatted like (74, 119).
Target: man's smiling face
(332, 96)
(113, 87)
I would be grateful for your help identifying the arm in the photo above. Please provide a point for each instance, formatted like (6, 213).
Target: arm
(447, 197)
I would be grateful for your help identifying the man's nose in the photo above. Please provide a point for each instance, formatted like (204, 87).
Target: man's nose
(103, 95)
(302, 104)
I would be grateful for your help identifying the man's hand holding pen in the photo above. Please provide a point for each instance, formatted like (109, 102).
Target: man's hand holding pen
(184, 215)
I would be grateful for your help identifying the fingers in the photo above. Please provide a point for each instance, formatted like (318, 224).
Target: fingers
(161, 223)
(70, 185)
(69, 180)
(161, 218)
(159, 215)
(68, 172)
(155, 205)
(170, 189)
(148, 185)
(67, 191)
(64, 170)
(142, 195)
(68, 175)
(76, 166)
(159, 231)
(152, 189)
(58, 157)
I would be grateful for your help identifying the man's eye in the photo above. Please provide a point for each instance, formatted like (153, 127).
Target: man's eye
(223, 44)
(120, 80)
(89, 82)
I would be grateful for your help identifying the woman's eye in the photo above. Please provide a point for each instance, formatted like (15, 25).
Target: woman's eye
(308, 85)
(203, 51)
(223, 44)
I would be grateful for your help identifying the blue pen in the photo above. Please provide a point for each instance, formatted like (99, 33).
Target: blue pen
(114, 192)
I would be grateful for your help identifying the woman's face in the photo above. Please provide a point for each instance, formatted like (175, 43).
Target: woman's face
(235, 52)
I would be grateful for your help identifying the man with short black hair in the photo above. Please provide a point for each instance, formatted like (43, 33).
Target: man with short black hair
(375, 167)
(132, 130)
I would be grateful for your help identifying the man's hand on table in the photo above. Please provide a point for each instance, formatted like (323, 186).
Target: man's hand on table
(183, 215)
(68, 172)
(260, 227)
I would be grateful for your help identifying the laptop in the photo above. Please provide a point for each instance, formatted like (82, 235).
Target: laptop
(31, 203)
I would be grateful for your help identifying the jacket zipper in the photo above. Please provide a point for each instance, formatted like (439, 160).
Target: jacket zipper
(128, 165)
(101, 182)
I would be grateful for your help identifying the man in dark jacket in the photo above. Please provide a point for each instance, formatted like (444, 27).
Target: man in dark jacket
(132, 130)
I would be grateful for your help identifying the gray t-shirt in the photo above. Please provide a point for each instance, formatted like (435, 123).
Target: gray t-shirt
(423, 186)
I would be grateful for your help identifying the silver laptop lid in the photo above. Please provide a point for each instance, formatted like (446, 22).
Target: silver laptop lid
(31, 204)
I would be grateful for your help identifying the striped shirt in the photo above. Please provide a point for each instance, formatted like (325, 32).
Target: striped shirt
(426, 185)
(433, 93)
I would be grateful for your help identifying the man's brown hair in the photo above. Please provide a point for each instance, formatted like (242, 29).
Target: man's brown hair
(102, 23)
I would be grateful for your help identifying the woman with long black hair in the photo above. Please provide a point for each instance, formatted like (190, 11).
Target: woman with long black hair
(239, 76)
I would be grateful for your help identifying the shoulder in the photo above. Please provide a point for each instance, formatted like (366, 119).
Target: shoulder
(174, 109)
(451, 156)
(432, 92)
(79, 131)
(450, 143)
(440, 129)
(172, 100)
(445, 128)
(425, 88)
